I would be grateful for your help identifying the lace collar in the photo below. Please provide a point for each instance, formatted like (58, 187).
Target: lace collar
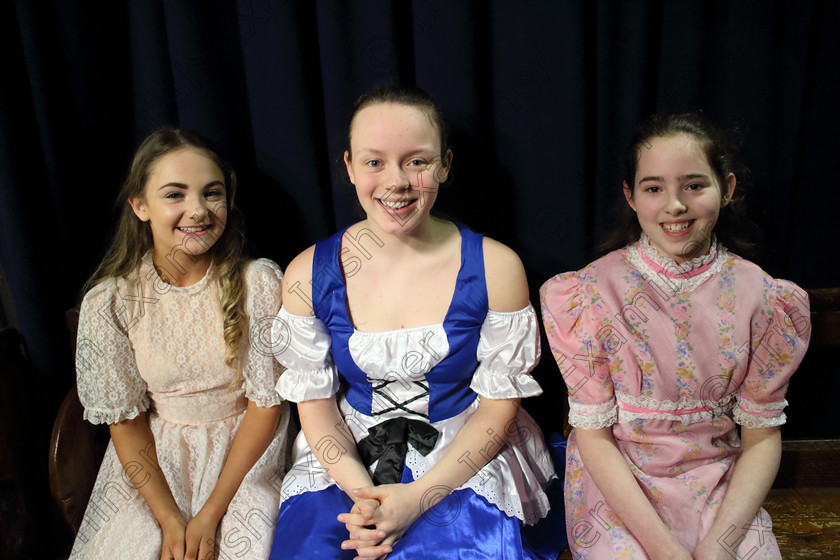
(673, 277)
(150, 272)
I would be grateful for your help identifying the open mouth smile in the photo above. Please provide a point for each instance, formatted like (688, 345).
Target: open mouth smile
(676, 228)
(397, 206)
(194, 229)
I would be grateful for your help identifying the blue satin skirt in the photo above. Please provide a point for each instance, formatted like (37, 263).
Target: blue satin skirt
(462, 526)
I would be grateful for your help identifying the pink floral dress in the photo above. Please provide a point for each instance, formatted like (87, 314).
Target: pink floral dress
(672, 357)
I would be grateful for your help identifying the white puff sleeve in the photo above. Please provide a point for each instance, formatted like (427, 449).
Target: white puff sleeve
(305, 352)
(508, 349)
(110, 387)
(264, 289)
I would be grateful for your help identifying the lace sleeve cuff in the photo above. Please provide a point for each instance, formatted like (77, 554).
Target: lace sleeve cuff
(508, 349)
(310, 372)
(260, 398)
(101, 416)
(752, 415)
(593, 416)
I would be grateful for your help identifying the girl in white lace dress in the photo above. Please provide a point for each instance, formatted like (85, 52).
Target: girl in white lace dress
(172, 354)
(668, 344)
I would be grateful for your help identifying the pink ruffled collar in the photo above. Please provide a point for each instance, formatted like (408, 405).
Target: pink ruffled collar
(671, 276)
(669, 267)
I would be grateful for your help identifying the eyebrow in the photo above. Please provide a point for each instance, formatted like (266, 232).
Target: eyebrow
(681, 177)
(421, 150)
(184, 186)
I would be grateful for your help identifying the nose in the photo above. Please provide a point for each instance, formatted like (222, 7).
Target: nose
(400, 179)
(199, 209)
(675, 204)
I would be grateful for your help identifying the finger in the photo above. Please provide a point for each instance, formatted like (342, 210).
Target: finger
(354, 519)
(361, 534)
(368, 508)
(368, 492)
(192, 549)
(363, 537)
(205, 550)
(378, 551)
(178, 551)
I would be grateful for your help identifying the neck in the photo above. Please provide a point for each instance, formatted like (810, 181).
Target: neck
(423, 238)
(180, 268)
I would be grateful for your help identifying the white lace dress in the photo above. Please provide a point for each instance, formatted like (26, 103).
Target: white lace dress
(144, 345)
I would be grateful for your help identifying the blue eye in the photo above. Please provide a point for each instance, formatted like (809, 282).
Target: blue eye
(373, 163)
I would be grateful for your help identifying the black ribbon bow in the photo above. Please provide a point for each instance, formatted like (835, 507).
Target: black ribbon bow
(389, 441)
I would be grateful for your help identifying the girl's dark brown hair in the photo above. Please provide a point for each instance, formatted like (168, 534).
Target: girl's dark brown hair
(133, 238)
(723, 157)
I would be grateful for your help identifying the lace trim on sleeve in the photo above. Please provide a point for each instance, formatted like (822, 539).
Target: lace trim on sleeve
(99, 416)
(593, 416)
(508, 349)
(306, 354)
(260, 398)
(754, 415)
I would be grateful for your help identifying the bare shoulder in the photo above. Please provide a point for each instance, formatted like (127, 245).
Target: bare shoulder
(297, 284)
(507, 286)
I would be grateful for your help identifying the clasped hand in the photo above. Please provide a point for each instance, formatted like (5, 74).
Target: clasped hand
(189, 541)
(390, 509)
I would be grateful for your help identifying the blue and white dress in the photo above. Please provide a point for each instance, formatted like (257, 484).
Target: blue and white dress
(404, 395)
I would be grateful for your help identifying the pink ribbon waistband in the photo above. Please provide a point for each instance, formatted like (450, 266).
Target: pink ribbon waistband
(678, 412)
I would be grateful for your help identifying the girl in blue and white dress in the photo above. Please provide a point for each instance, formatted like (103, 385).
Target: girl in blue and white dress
(408, 341)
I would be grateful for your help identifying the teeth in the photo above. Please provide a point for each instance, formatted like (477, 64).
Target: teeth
(394, 205)
(675, 228)
(194, 229)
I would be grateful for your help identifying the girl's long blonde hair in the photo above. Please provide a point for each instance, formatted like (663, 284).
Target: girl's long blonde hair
(133, 238)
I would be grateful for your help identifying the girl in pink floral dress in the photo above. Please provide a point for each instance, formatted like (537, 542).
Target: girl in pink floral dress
(667, 345)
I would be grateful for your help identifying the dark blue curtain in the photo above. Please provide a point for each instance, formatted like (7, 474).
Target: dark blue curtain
(541, 96)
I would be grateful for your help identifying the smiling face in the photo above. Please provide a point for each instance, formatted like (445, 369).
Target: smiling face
(396, 165)
(676, 196)
(184, 201)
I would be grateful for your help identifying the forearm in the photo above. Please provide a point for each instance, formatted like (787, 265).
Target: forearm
(753, 475)
(613, 477)
(135, 446)
(480, 439)
(331, 441)
(256, 431)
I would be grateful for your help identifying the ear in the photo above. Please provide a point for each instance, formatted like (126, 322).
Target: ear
(349, 167)
(730, 189)
(445, 165)
(628, 195)
(139, 207)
